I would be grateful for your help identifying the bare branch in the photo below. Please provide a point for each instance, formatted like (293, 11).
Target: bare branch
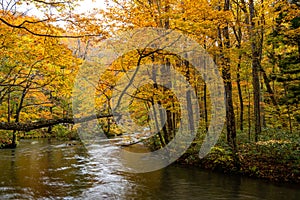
(45, 35)
(52, 3)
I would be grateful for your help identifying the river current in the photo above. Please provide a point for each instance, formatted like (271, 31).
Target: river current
(50, 169)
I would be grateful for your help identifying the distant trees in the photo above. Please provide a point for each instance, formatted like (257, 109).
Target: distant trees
(284, 53)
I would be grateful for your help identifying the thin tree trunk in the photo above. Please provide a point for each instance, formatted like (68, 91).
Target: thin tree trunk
(205, 106)
(163, 135)
(288, 109)
(169, 124)
(8, 107)
(249, 117)
(51, 111)
(205, 95)
(238, 81)
(189, 100)
(269, 88)
(263, 114)
(155, 113)
(237, 30)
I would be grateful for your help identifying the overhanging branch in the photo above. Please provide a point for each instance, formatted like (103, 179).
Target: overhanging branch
(45, 35)
(46, 123)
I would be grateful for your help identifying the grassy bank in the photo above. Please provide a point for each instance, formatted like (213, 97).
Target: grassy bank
(276, 159)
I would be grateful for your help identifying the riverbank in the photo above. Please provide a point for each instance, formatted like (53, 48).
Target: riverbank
(276, 159)
(59, 132)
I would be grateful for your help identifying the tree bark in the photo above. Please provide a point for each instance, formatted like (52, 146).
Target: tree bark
(255, 70)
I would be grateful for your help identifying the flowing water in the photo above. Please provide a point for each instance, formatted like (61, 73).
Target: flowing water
(48, 169)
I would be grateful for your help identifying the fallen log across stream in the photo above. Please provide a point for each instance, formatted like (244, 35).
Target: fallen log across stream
(28, 126)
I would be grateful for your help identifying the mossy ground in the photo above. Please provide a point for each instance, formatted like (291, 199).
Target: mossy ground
(276, 157)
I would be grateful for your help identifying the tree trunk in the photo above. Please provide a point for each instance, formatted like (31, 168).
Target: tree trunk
(169, 124)
(205, 94)
(226, 75)
(51, 111)
(255, 71)
(205, 106)
(230, 117)
(164, 133)
(288, 109)
(249, 116)
(269, 88)
(238, 81)
(8, 107)
(18, 111)
(238, 35)
(189, 100)
(262, 108)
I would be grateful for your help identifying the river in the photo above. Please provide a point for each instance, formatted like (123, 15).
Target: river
(50, 169)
